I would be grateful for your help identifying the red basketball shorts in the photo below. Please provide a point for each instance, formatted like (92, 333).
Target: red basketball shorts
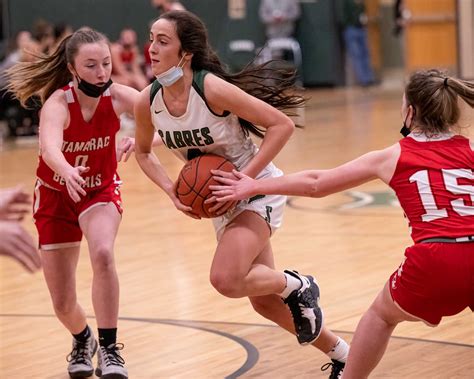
(435, 280)
(57, 216)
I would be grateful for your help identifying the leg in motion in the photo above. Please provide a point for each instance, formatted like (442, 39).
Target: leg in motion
(59, 267)
(100, 225)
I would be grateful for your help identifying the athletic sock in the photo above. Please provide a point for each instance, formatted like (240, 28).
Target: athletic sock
(107, 336)
(340, 350)
(83, 336)
(292, 284)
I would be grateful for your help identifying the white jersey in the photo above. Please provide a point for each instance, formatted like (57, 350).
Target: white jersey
(199, 131)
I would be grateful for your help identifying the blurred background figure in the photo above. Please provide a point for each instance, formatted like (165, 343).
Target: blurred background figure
(20, 121)
(127, 61)
(354, 22)
(15, 241)
(61, 31)
(279, 17)
(43, 34)
(167, 5)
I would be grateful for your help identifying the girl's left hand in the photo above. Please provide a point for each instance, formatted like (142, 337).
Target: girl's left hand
(125, 148)
(233, 186)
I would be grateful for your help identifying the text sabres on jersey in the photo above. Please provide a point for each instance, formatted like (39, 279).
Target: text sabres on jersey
(186, 138)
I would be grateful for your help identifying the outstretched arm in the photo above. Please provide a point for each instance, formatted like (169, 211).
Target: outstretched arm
(311, 183)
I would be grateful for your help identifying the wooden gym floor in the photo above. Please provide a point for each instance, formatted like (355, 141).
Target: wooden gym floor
(175, 325)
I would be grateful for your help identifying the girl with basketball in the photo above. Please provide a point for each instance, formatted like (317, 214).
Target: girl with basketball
(432, 173)
(195, 97)
(77, 191)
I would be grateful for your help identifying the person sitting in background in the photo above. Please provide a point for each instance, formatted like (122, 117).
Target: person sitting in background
(279, 17)
(15, 241)
(354, 21)
(126, 61)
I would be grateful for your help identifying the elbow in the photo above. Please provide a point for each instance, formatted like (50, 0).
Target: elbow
(289, 128)
(313, 190)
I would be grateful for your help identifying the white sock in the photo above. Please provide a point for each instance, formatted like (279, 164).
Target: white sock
(292, 284)
(340, 350)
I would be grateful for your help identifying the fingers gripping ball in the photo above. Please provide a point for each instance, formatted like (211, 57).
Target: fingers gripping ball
(194, 180)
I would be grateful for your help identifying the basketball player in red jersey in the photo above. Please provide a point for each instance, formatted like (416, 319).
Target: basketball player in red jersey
(77, 191)
(432, 174)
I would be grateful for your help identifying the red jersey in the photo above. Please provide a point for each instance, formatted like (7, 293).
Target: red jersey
(434, 182)
(89, 144)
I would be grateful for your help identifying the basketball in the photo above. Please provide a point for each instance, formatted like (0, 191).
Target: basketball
(193, 182)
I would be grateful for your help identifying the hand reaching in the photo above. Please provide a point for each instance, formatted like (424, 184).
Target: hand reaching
(74, 182)
(18, 244)
(14, 203)
(125, 147)
(234, 186)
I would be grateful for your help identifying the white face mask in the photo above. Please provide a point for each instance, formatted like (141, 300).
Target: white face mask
(172, 75)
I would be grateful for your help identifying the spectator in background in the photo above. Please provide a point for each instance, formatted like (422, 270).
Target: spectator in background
(15, 241)
(20, 121)
(167, 5)
(43, 34)
(354, 21)
(127, 61)
(279, 17)
(60, 32)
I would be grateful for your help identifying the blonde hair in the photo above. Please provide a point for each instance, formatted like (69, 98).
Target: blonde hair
(49, 72)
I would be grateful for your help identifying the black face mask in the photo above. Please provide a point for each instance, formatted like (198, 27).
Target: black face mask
(405, 130)
(92, 90)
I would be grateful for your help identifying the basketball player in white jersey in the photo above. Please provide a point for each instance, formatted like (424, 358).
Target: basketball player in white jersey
(197, 107)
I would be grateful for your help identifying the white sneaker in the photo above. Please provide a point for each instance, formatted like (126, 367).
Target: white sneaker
(110, 365)
(80, 358)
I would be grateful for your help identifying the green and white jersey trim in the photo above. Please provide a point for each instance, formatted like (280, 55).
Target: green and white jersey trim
(199, 128)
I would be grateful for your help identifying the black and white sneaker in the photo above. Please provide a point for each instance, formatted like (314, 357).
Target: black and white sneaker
(337, 368)
(80, 358)
(304, 306)
(110, 365)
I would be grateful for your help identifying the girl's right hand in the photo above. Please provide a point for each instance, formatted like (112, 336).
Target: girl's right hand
(180, 206)
(75, 182)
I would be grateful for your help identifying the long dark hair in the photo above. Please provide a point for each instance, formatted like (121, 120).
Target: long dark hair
(49, 72)
(274, 86)
(434, 95)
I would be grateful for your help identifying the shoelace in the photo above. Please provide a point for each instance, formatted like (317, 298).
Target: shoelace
(294, 305)
(112, 356)
(336, 371)
(79, 353)
(306, 299)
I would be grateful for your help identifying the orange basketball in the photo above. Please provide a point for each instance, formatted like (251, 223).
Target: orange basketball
(194, 180)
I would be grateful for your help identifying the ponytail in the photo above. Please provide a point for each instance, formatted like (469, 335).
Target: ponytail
(49, 72)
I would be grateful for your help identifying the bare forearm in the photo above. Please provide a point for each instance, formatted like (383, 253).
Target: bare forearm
(275, 139)
(55, 160)
(152, 168)
(304, 183)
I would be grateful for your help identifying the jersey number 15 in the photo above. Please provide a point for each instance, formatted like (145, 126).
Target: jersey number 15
(450, 177)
